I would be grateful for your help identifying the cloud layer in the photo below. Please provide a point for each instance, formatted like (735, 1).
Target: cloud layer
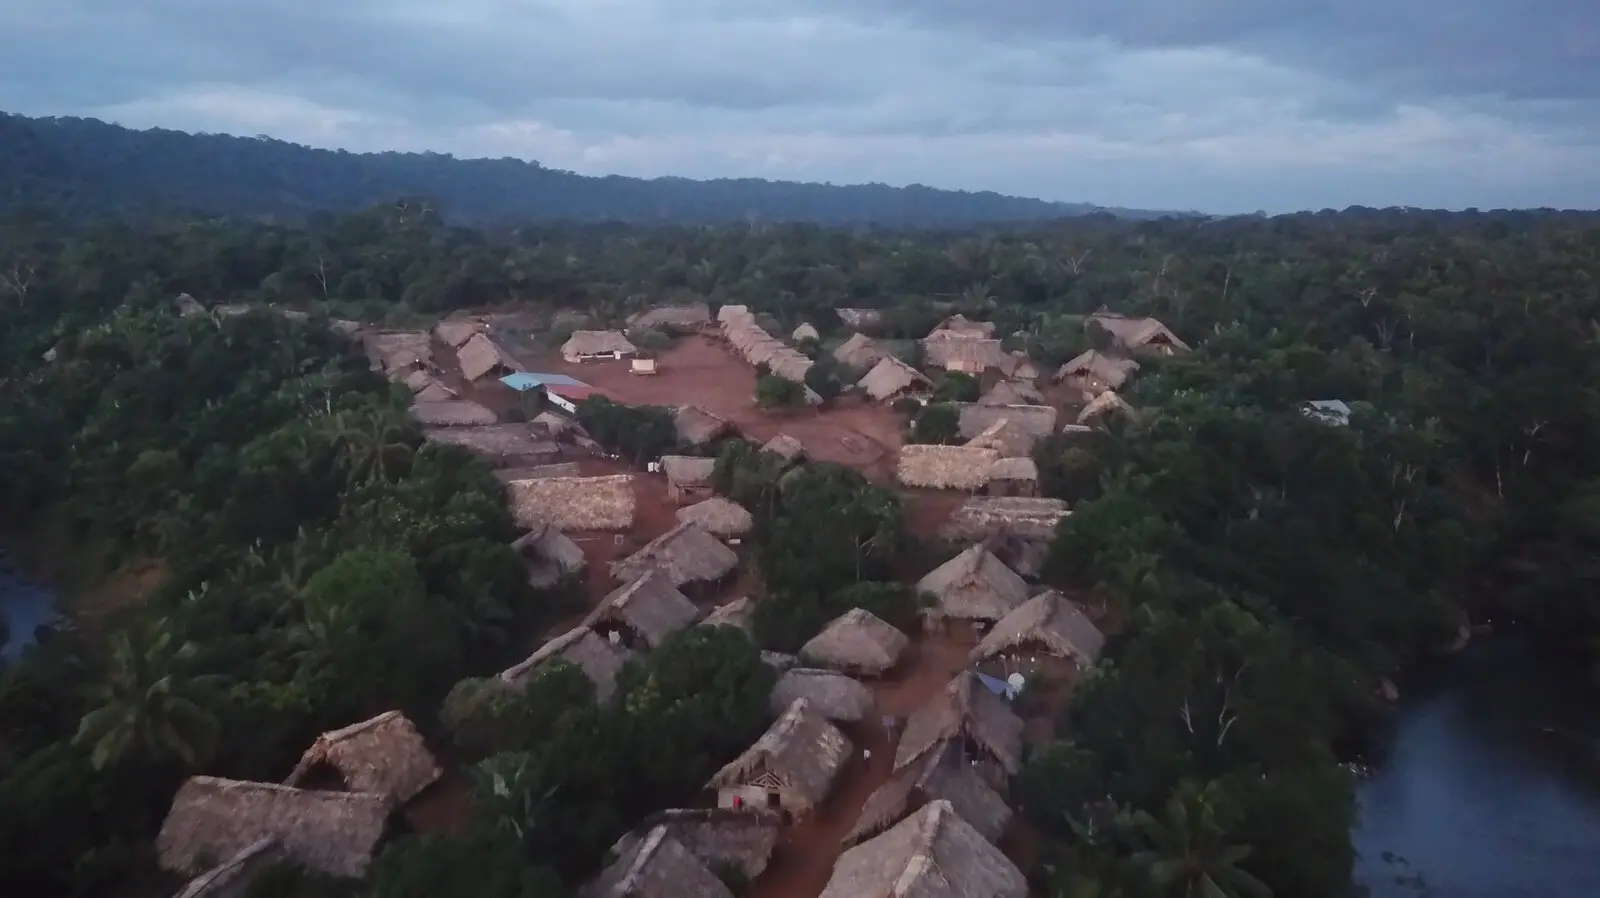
(1219, 105)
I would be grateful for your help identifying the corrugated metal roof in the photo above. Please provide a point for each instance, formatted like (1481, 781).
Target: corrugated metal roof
(529, 380)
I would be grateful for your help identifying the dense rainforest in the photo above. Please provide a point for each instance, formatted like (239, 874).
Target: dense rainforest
(89, 168)
(319, 562)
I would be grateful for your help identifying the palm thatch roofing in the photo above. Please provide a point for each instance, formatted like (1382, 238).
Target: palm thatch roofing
(188, 306)
(599, 659)
(1005, 437)
(697, 425)
(857, 642)
(945, 467)
(435, 392)
(1037, 420)
(1108, 401)
(1015, 470)
(497, 441)
(801, 749)
(534, 472)
(1050, 622)
(786, 447)
(1017, 365)
(860, 318)
(974, 585)
(452, 413)
(718, 516)
(1012, 392)
(649, 605)
(931, 854)
(417, 381)
(1134, 333)
(960, 326)
(790, 366)
(232, 877)
(330, 832)
(962, 353)
(937, 776)
(574, 503)
(385, 755)
(594, 343)
(480, 356)
(1110, 371)
(456, 333)
(399, 350)
(831, 694)
(983, 517)
(743, 839)
(805, 332)
(688, 470)
(345, 327)
(687, 553)
(891, 377)
(739, 614)
(550, 554)
(860, 351)
(733, 313)
(964, 709)
(656, 866)
(688, 316)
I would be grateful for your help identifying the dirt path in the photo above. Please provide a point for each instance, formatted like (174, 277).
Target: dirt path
(804, 859)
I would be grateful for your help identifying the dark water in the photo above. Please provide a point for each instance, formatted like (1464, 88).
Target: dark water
(1493, 786)
(26, 607)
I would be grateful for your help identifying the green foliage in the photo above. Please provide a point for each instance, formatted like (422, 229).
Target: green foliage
(829, 527)
(956, 386)
(638, 433)
(483, 716)
(936, 422)
(827, 378)
(484, 863)
(779, 392)
(783, 622)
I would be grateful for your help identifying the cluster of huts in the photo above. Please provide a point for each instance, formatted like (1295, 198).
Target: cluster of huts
(757, 347)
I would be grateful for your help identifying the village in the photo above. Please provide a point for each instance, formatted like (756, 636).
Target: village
(886, 768)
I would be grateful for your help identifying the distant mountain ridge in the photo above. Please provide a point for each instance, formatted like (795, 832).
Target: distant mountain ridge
(87, 168)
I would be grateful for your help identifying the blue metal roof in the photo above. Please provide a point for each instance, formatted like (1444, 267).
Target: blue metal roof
(529, 380)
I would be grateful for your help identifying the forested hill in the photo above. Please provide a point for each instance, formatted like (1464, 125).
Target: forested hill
(91, 169)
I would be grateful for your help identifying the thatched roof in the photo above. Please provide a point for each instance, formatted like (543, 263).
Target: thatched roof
(1012, 392)
(1134, 333)
(1037, 420)
(696, 425)
(600, 659)
(435, 392)
(962, 353)
(1014, 469)
(1111, 371)
(738, 614)
(801, 749)
(891, 377)
(456, 333)
(960, 326)
(688, 470)
(945, 467)
(397, 350)
(939, 775)
(1016, 364)
(385, 755)
(805, 332)
(860, 351)
(785, 446)
(550, 553)
(860, 318)
(964, 708)
(831, 694)
(743, 839)
(233, 876)
(534, 472)
(1006, 437)
(931, 854)
(858, 642)
(574, 503)
(583, 343)
(718, 516)
(733, 313)
(790, 366)
(687, 553)
(481, 355)
(188, 306)
(416, 381)
(452, 413)
(212, 818)
(649, 605)
(656, 866)
(982, 517)
(974, 585)
(1050, 621)
(1106, 402)
(345, 327)
(691, 315)
(496, 440)
(556, 425)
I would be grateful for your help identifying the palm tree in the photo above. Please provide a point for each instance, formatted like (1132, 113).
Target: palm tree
(144, 708)
(373, 443)
(1188, 855)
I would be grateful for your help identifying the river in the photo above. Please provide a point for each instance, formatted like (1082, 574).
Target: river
(1492, 785)
(25, 606)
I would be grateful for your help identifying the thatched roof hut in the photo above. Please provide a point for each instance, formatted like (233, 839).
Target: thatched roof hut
(733, 313)
(574, 503)
(642, 612)
(1038, 421)
(435, 392)
(452, 413)
(481, 356)
(1106, 402)
(974, 585)
(860, 319)
(983, 517)
(1095, 372)
(455, 333)
(1145, 336)
(860, 351)
(417, 380)
(797, 759)
(891, 378)
(696, 425)
(1018, 366)
(385, 755)
(330, 832)
(857, 642)
(967, 355)
(549, 555)
(743, 840)
(393, 351)
(1014, 477)
(1012, 392)
(959, 326)
(965, 712)
(687, 316)
(805, 332)
(1048, 623)
(687, 553)
(786, 447)
(599, 659)
(937, 776)
(738, 614)
(656, 866)
(945, 467)
(497, 441)
(688, 475)
(535, 472)
(931, 854)
(188, 306)
(1006, 437)
(232, 877)
(831, 694)
(596, 344)
(718, 516)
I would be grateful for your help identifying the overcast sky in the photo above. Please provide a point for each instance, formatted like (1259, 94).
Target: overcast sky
(1216, 105)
